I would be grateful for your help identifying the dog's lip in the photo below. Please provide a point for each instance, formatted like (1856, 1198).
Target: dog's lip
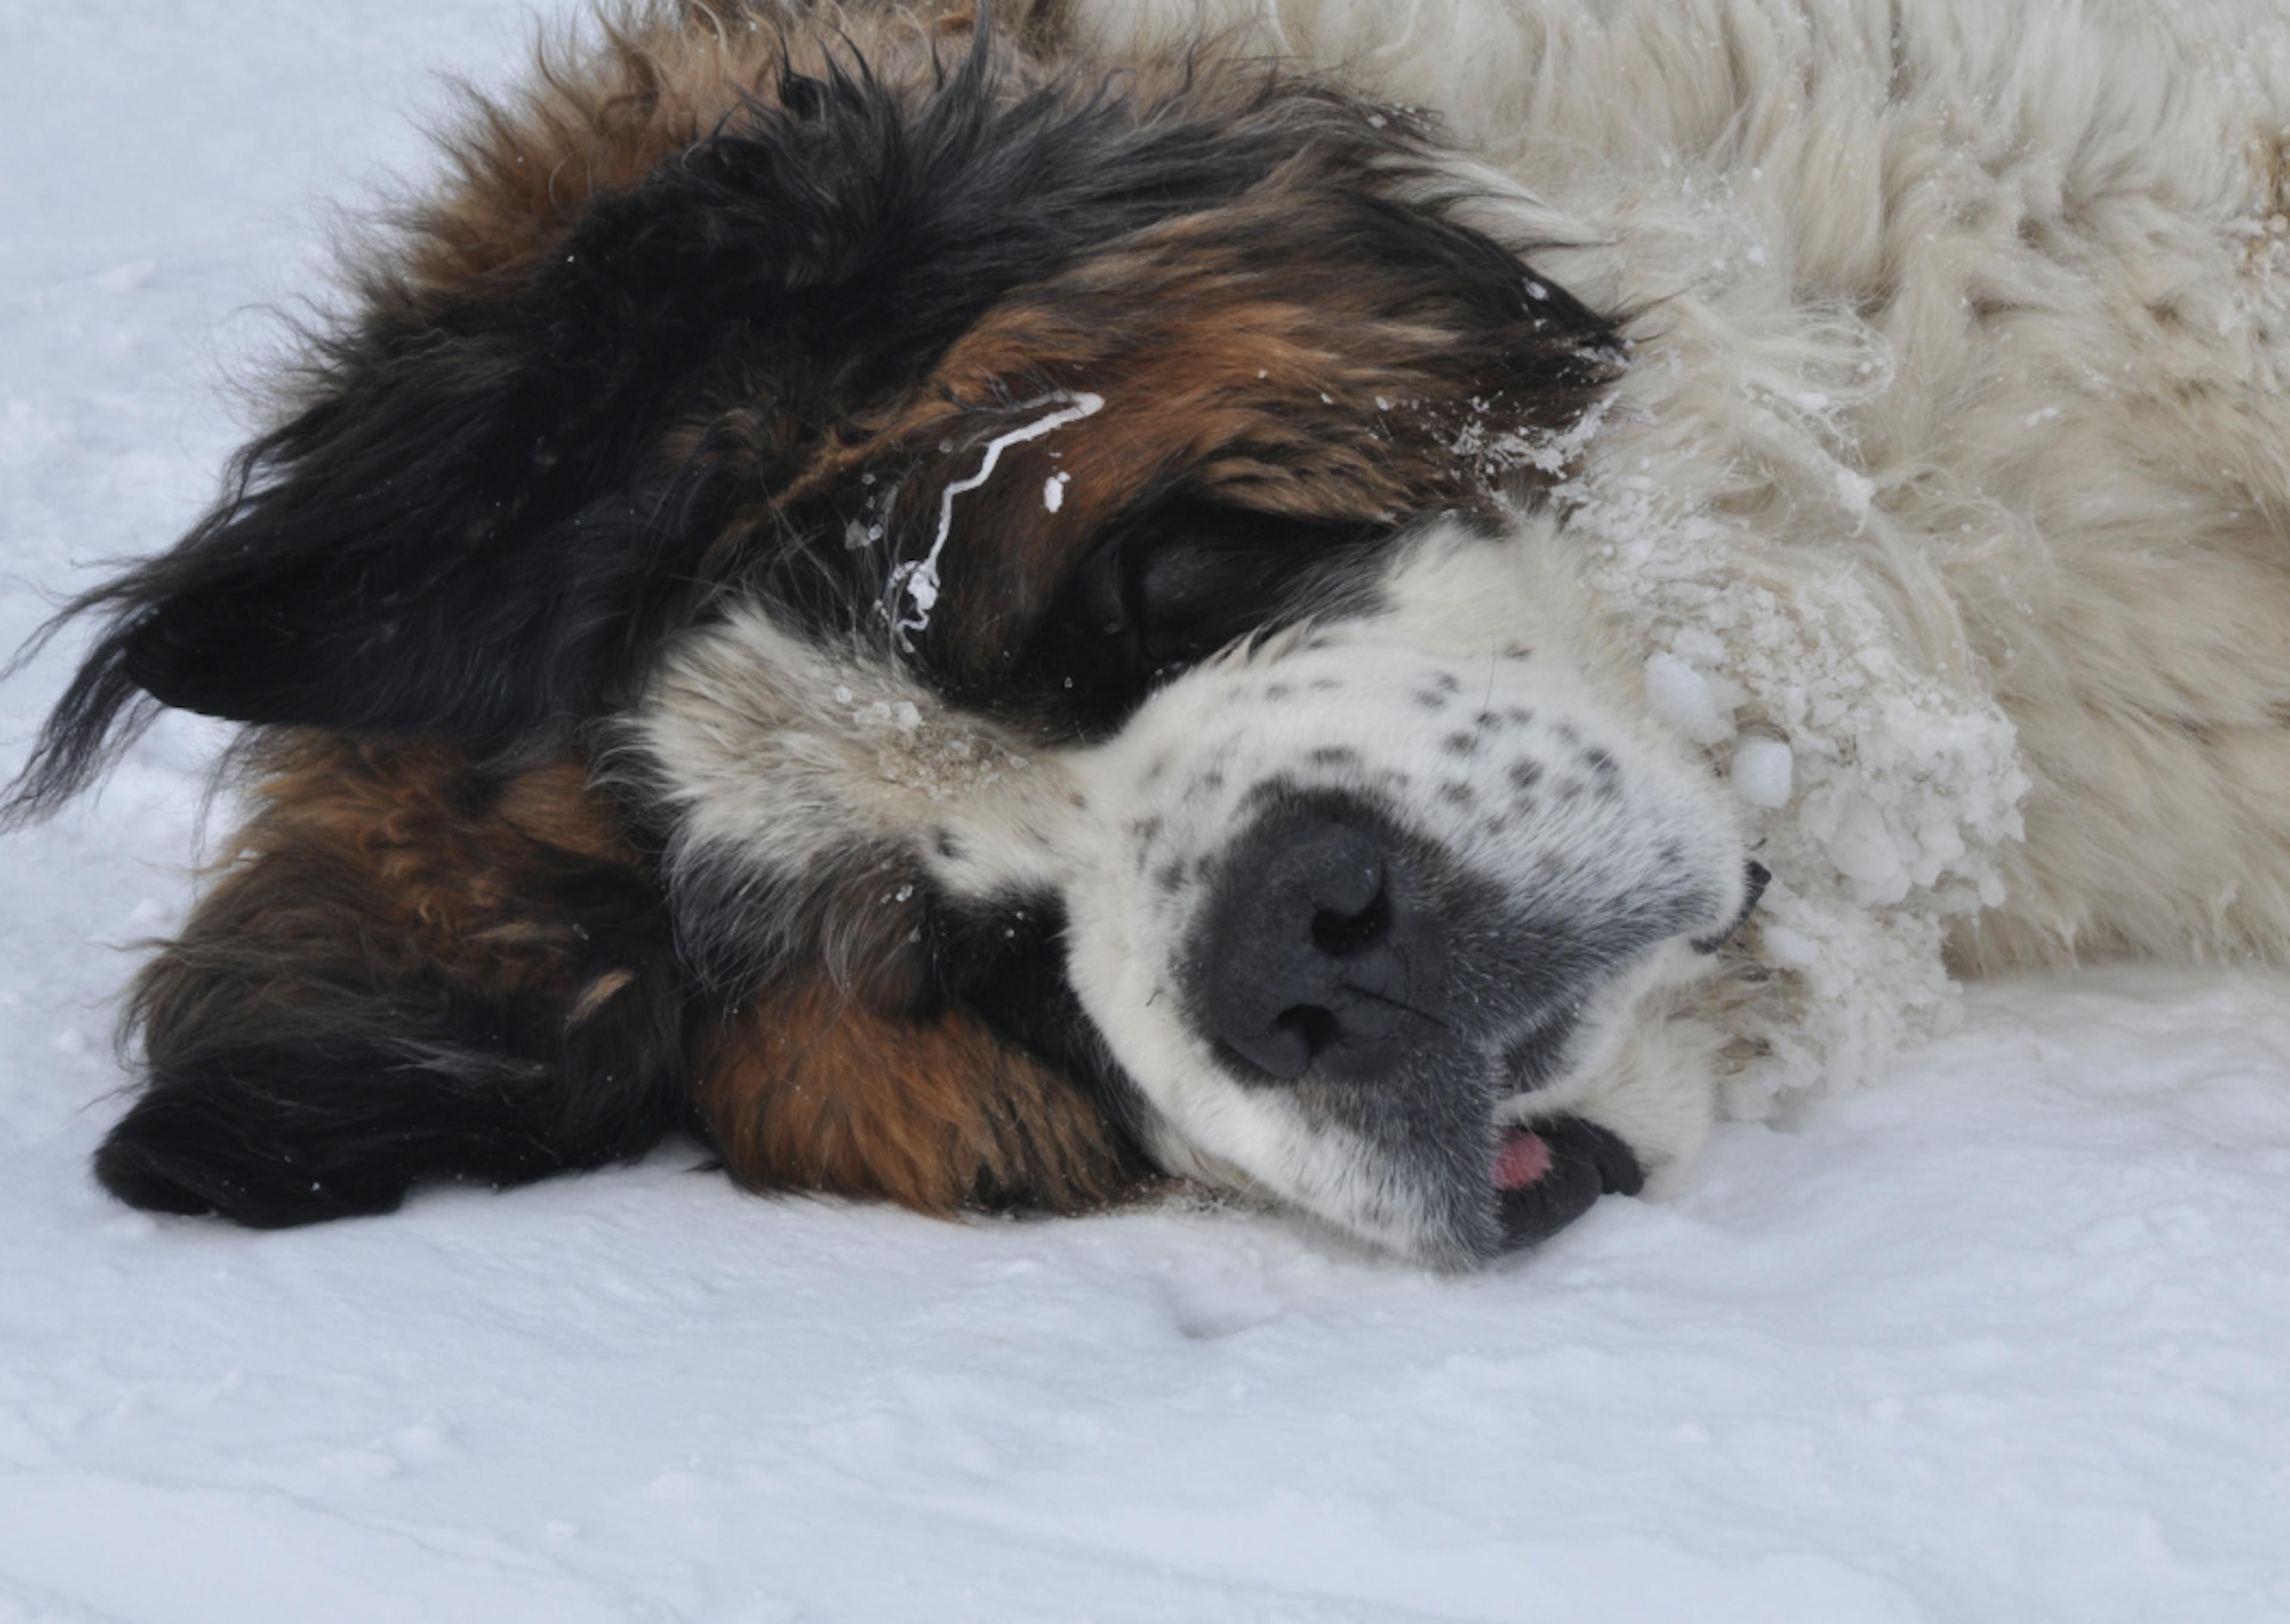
(1756, 876)
(1549, 1173)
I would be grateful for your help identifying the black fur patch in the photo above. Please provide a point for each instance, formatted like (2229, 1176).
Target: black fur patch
(1008, 963)
(287, 1085)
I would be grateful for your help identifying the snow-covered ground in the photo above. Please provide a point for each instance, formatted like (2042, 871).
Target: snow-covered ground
(2007, 1339)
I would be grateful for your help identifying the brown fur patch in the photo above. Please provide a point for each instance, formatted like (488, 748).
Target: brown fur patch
(1326, 396)
(444, 851)
(807, 1091)
(399, 868)
(398, 858)
(1251, 350)
(408, 968)
(601, 116)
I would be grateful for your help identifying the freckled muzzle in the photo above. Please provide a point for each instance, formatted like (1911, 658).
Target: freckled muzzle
(1345, 962)
(1413, 909)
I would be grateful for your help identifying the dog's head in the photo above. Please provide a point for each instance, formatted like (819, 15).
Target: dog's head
(1024, 540)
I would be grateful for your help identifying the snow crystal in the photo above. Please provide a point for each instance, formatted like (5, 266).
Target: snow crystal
(1762, 771)
(920, 579)
(1682, 698)
(1881, 797)
(1855, 490)
(1491, 448)
(1785, 948)
(1866, 851)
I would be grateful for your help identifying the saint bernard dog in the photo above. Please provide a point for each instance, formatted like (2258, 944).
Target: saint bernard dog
(1387, 605)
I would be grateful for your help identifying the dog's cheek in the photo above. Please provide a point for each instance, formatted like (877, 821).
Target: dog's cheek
(804, 1088)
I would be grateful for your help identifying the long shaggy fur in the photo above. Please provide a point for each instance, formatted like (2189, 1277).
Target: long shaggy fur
(1961, 372)
(1988, 304)
(848, 555)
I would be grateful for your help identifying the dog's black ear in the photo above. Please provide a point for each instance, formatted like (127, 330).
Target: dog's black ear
(482, 511)
(465, 529)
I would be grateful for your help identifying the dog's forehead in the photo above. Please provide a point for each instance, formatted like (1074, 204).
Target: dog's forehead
(1289, 378)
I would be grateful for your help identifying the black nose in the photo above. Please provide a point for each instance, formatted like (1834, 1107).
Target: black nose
(1319, 952)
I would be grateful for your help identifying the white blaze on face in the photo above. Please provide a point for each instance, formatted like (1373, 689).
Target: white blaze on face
(778, 756)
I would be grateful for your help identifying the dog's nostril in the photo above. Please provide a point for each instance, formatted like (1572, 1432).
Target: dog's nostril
(1334, 867)
(1343, 934)
(1314, 959)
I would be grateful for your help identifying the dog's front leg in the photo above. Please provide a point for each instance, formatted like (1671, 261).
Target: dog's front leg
(408, 968)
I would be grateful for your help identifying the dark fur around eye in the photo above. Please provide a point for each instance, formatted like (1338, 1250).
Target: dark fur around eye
(1168, 588)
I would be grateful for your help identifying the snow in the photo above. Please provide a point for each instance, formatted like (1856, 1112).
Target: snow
(1904, 787)
(920, 579)
(1762, 771)
(1681, 698)
(2002, 1337)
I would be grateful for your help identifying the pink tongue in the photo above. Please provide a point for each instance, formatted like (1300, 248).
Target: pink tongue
(1523, 1159)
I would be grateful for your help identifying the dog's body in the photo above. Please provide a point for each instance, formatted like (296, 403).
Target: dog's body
(975, 616)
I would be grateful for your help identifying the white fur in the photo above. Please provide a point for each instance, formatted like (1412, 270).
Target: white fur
(1469, 610)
